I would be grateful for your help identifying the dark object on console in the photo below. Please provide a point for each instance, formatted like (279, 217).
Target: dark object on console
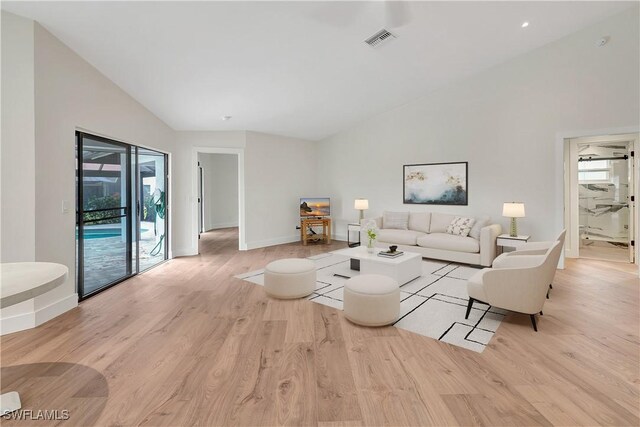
(393, 248)
(304, 207)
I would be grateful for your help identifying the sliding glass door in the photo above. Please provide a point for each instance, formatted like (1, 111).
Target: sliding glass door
(104, 232)
(121, 211)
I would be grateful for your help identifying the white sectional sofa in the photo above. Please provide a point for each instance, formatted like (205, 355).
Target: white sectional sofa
(426, 233)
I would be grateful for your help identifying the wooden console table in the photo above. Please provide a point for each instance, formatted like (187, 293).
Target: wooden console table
(305, 227)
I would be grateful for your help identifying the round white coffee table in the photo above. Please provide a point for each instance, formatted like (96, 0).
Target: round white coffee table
(21, 281)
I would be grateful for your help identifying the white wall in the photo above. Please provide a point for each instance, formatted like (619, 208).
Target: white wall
(220, 194)
(503, 121)
(17, 152)
(279, 171)
(17, 158)
(69, 94)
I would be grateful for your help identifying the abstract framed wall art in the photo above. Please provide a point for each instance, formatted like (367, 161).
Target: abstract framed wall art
(436, 184)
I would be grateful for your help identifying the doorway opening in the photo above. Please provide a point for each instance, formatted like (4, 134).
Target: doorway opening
(218, 188)
(219, 183)
(602, 191)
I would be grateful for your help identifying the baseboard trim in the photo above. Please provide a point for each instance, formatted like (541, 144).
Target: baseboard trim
(184, 252)
(223, 225)
(34, 318)
(272, 242)
(20, 322)
(55, 309)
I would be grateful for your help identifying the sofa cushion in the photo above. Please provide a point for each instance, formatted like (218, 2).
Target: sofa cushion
(419, 221)
(399, 237)
(396, 220)
(479, 225)
(449, 242)
(440, 222)
(461, 226)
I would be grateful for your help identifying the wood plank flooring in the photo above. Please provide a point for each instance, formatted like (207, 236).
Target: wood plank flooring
(188, 344)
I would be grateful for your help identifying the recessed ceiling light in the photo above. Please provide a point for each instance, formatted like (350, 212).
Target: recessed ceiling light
(225, 118)
(525, 24)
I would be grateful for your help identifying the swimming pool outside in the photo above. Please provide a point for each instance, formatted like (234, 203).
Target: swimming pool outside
(101, 233)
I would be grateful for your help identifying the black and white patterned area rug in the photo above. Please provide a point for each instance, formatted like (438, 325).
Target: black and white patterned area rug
(433, 304)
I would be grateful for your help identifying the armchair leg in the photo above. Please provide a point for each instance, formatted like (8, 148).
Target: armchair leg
(550, 286)
(547, 294)
(533, 322)
(469, 307)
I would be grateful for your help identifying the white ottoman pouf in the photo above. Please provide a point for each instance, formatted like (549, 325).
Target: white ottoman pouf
(290, 278)
(371, 300)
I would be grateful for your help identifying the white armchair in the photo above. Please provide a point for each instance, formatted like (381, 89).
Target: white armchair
(508, 259)
(521, 287)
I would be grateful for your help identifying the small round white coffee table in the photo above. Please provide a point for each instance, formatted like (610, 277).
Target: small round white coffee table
(21, 281)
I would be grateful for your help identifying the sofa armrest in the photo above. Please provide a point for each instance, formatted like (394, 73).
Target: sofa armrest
(488, 237)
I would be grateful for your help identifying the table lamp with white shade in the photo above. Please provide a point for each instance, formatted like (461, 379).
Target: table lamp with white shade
(361, 205)
(513, 210)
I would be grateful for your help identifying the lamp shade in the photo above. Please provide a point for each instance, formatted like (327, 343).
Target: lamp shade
(361, 204)
(513, 210)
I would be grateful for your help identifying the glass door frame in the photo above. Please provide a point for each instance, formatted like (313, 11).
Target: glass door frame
(200, 200)
(631, 200)
(572, 159)
(132, 209)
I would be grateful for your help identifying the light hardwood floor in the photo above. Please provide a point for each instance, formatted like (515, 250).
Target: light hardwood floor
(187, 344)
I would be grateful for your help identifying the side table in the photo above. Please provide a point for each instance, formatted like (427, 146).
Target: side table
(351, 228)
(507, 241)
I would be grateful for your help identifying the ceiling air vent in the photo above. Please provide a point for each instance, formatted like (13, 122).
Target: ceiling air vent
(379, 38)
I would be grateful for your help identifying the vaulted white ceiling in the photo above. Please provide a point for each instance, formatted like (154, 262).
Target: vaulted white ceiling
(296, 68)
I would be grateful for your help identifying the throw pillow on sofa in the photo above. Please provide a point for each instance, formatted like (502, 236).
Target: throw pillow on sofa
(461, 226)
(396, 220)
